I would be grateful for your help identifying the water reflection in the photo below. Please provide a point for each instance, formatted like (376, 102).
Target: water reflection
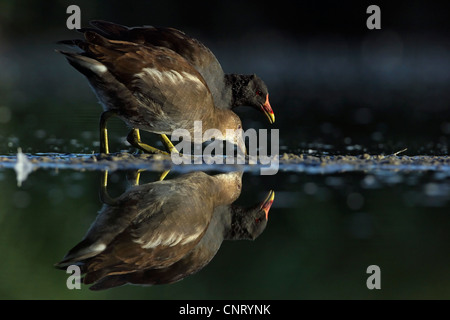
(163, 231)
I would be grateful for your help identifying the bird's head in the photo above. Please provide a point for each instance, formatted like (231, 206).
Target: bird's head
(256, 95)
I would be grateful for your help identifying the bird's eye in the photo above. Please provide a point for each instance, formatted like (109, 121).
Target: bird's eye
(259, 92)
(239, 126)
(258, 220)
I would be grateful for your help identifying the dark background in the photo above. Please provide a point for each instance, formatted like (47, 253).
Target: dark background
(340, 83)
(232, 18)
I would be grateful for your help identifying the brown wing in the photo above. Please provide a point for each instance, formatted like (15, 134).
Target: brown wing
(164, 84)
(156, 242)
(195, 52)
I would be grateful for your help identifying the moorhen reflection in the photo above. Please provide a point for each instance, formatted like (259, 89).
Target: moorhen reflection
(227, 223)
(163, 231)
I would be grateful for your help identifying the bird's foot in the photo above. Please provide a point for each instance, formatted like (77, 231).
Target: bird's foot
(134, 138)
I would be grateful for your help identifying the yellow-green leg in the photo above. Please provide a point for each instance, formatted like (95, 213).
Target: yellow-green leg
(104, 146)
(163, 175)
(170, 148)
(134, 176)
(104, 195)
(134, 138)
(168, 144)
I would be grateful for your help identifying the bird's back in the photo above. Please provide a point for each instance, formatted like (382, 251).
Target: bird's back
(149, 87)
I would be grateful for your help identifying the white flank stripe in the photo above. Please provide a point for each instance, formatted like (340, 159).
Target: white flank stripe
(192, 78)
(99, 68)
(191, 238)
(153, 73)
(170, 241)
(172, 76)
(98, 247)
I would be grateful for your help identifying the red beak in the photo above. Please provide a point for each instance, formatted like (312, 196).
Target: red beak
(267, 109)
(268, 203)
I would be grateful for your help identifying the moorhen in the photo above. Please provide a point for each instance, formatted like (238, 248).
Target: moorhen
(228, 90)
(152, 225)
(150, 88)
(228, 222)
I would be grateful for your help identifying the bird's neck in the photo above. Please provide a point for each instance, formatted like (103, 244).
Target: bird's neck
(234, 227)
(230, 225)
(227, 187)
(216, 118)
(236, 83)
